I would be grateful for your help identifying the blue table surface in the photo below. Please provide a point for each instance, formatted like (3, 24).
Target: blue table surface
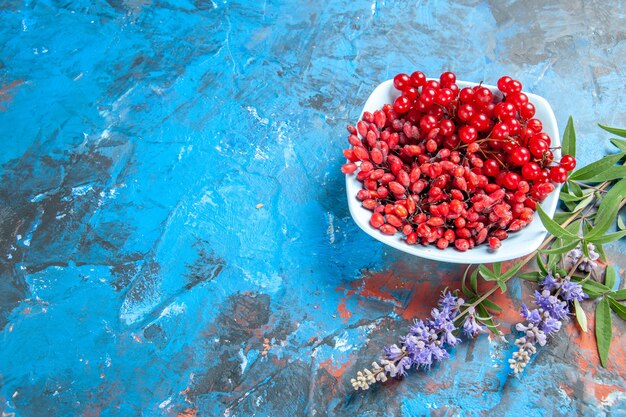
(139, 274)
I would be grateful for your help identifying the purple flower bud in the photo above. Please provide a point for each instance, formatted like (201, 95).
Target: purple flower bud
(550, 325)
(533, 316)
(572, 291)
(393, 352)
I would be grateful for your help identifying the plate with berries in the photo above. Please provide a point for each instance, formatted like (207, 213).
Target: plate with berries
(453, 170)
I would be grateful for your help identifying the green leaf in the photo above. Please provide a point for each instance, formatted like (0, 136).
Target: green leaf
(600, 250)
(511, 271)
(486, 273)
(490, 305)
(574, 227)
(568, 147)
(497, 268)
(619, 294)
(553, 227)
(604, 330)
(609, 276)
(618, 308)
(542, 265)
(597, 167)
(570, 197)
(486, 319)
(562, 249)
(562, 216)
(502, 285)
(581, 317)
(553, 258)
(464, 288)
(607, 212)
(615, 130)
(620, 143)
(611, 237)
(530, 276)
(574, 188)
(620, 223)
(609, 174)
(474, 280)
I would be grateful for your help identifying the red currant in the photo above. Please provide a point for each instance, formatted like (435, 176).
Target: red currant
(535, 125)
(465, 112)
(402, 104)
(468, 134)
(444, 96)
(531, 171)
(527, 110)
(428, 123)
(428, 95)
(418, 79)
(511, 180)
(568, 162)
(483, 96)
(500, 131)
(538, 147)
(513, 86)
(466, 95)
(481, 122)
(502, 82)
(401, 82)
(519, 156)
(491, 167)
(446, 127)
(514, 126)
(558, 174)
(447, 78)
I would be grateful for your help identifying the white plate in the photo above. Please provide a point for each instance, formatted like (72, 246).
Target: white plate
(516, 245)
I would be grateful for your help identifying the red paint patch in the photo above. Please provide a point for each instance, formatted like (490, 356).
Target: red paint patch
(432, 386)
(337, 372)
(568, 390)
(188, 412)
(6, 94)
(602, 391)
(344, 313)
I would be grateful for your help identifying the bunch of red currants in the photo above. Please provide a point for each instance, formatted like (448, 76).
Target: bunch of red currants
(450, 166)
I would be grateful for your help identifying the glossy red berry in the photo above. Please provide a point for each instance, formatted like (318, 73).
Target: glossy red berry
(568, 162)
(500, 131)
(481, 122)
(447, 78)
(468, 134)
(535, 125)
(558, 174)
(527, 110)
(418, 79)
(538, 147)
(401, 82)
(519, 156)
(483, 96)
(402, 104)
(511, 180)
(502, 82)
(428, 95)
(531, 171)
(491, 167)
(466, 95)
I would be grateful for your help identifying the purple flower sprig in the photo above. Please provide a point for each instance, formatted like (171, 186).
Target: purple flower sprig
(426, 343)
(553, 301)
(576, 258)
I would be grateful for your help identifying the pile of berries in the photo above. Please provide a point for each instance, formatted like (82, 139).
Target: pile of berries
(449, 166)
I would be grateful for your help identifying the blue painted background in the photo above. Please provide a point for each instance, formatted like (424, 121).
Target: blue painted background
(138, 276)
